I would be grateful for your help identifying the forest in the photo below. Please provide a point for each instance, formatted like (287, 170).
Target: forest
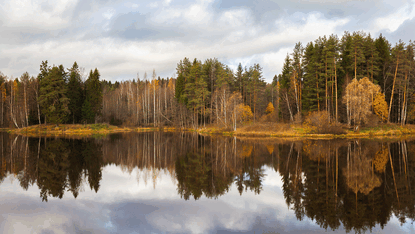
(351, 80)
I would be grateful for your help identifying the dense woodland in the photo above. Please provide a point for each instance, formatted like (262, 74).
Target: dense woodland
(353, 79)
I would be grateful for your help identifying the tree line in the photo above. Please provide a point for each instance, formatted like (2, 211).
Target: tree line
(349, 78)
(315, 77)
(55, 96)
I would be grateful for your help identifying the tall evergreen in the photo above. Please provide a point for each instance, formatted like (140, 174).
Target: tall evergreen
(183, 70)
(312, 79)
(93, 97)
(371, 56)
(75, 95)
(52, 99)
(383, 49)
(196, 90)
(356, 55)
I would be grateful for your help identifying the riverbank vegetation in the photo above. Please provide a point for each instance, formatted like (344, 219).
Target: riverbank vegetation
(332, 85)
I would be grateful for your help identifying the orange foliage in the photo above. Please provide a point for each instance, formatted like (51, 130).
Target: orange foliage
(380, 107)
(270, 108)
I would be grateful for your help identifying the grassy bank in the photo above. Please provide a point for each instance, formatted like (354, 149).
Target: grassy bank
(257, 130)
(69, 130)
(275, 130)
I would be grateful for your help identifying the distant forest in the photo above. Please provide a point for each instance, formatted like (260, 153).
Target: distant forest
(353, 79)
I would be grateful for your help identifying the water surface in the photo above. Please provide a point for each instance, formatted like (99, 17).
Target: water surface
(183, 182)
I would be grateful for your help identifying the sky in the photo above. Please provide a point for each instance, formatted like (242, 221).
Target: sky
(126, 38)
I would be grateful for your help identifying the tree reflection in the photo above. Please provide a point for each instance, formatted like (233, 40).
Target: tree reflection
(355, 183)
(54, 165)
(198, 172)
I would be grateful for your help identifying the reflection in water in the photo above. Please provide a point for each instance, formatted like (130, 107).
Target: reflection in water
(55, 165)
(354, 183)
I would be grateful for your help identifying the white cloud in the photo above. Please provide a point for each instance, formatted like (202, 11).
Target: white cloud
(38, 14)
(197, 14)
(236, 18)
(39, 31)
(392, 21)
(109, 13)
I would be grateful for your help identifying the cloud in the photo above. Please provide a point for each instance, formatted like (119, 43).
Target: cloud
(122, 38)
(393, 21)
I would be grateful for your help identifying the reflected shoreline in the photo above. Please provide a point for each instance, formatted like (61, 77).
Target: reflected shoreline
(354, 183)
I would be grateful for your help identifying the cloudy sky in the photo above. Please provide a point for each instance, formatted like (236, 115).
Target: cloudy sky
(123, 38)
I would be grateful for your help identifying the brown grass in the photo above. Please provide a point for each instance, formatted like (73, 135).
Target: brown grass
(254, 130)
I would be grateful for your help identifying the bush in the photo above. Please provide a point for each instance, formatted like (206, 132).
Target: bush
(319, 122)
(372, 120)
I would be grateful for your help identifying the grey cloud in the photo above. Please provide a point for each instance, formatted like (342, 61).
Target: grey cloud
(405, 32)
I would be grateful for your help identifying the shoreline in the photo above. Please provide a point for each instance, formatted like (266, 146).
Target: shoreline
(295, 132)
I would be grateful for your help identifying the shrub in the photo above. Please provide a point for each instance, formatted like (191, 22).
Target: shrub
(319, 122)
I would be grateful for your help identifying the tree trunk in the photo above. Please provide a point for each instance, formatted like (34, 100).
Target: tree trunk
(289, 108)
(393, 88)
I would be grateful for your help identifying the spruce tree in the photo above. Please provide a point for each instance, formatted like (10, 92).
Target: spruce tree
(383, 49)
(93, 98)
(196, 90)
(183, 70)
(52, 99)
(75, 94)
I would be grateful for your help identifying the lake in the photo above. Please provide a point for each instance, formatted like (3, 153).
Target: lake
(158, 182)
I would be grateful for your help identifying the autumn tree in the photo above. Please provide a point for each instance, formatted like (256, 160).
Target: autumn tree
(380, 107)
(358, 99)
(270, 108)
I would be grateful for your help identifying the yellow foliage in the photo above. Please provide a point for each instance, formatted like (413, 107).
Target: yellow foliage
(171, 85)
(381, 159)
(15, 86)
(358, 98)
(246, 151)
(270, 148)
(380, 107)
(359, 176)
(155, 83)
(247, 114)
(270, 108)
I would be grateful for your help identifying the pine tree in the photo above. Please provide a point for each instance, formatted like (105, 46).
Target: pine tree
(285, 84)
(196, 90)
(312, 79)
(183, 70)
(75, 94)
(297, 76)
(52, 99)
(93, 99)
(372, 57)
(383, 49)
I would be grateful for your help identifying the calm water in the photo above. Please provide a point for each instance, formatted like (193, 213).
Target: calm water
(185, 183)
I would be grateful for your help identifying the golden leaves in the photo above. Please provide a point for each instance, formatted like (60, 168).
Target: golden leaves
(381, 159)
(246, 112)
(380, 107)
(358, 98)
(246, 151)
(270, 148)
(270, 108)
